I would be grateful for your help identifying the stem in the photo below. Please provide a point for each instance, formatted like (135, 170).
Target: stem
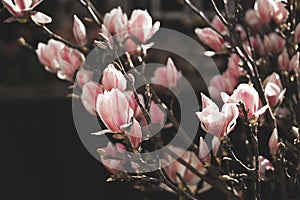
(93, 11)
(256, 181)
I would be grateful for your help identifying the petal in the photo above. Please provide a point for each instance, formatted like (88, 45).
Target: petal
(40, 18)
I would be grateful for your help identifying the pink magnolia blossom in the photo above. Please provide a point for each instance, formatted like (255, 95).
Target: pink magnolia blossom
(252, 19)
(294, 63)
(138, 114)
(89, 95)
(273, 142)
(233, 65)
(116, 22)
(175, 167)
(215, 122)
(69, 61)
(83, 76)
(274, 43)
(222, 83)
(22, 8)
(167, 76)
(112, 165)
(156, 114)
(47, 54)
(210, 38)
(297, 34)
(204, 152)
(281, 13)
(113, 78)
(140, 25)
(215, 145)
(114, 110)
(218, 25)
(79, 31)
(285, 63)
(264, 166)
(258, 45)
(246, 94)
(273, 89)
(265, 9)
(134, 132)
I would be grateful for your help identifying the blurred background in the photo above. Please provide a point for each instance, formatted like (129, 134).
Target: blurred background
(42, 156)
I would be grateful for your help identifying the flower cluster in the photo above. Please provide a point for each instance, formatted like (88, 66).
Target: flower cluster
(253, 138)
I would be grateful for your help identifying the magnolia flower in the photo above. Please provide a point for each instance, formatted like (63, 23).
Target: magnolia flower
(247, 95)
(174, 168)
(112, 165)
(252, 19)
(258, 45)
(204, 152)
(83, 76)
(134, 132)
(69, 61)
(222, 83)
(215, 145)
(79, 31)
(297, 34)
(264, 166)
(265, 9)
(273, 89)
(215, 122)
(274, 43)
(21, 8)
(47, 54)
(114, 110)
(140, 25)
(273, 142)
(167, 76)
(218, 25)
(113, 78)
(210, 38)
(116, 23)
(138, 114)
(60, 59)
(281, 13)
(89, 95)
(287, 64)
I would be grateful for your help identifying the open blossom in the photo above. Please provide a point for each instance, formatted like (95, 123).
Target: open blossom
(264, 166)
(265, 9)
(112, 165)
(273, 89)
(60, 59)
(210, 38)
(215, 122)
(274, 43)
(174, 168)
(21, 8)
(89, 95)
(140, 25)
(273, 142)
(167, 76)
(79, 31)
(47, 54)
(116, 22)
(113, 78)
(69, 60)
(114, 110)
(83, 76)
(247, 95)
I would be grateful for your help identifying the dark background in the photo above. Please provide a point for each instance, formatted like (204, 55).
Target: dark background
(42, 156)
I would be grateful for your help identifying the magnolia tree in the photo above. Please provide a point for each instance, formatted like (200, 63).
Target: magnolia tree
(254, 104)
